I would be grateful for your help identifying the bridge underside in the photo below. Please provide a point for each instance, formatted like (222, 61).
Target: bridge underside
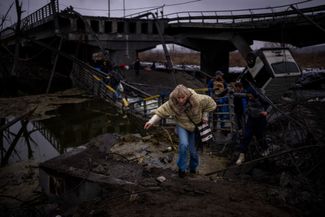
(214, 53)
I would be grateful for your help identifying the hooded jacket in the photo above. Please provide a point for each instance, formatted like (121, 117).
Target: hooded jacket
(200, 104)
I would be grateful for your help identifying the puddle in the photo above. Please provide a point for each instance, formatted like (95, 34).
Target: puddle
(71, 125)
(76, 124)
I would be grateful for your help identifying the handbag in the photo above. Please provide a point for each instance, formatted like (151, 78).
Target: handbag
(205, 132)
(203, 129)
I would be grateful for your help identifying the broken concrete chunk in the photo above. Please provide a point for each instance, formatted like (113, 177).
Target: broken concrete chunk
(168, 149)
(134, 197)
(99, 169)
(161, 179)
(147, 138)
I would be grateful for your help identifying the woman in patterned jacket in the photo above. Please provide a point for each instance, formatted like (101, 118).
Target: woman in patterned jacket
(186, 107)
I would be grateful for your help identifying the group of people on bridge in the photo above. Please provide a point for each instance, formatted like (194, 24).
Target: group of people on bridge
(114, 73)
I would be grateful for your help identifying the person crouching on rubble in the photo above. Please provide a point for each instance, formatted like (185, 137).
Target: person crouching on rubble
(255, 123)
(186, 107)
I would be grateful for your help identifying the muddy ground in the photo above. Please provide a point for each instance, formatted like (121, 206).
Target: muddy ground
(140, 161)
(245, 192)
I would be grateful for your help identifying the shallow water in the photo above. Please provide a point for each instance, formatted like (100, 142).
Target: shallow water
(75, 124)
(71, 125)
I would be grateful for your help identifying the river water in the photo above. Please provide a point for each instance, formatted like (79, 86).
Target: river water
(70, 125)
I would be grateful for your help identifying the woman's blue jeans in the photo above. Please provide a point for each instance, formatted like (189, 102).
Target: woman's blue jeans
(186, 142)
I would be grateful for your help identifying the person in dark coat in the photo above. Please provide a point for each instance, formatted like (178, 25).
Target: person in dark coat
(240, 104)
(255, 124)
(136, 66)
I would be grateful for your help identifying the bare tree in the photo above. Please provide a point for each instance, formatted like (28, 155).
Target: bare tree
(4, 18)
(4, 71)
(17, 40)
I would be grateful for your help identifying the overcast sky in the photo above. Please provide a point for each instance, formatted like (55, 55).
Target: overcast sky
(120, 7)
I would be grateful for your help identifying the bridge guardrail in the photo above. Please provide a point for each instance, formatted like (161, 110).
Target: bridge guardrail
(240, 16)
(36, 18)
(93, 80)
(156, 11)
(230, 17)
(42, 13)
(143, 106)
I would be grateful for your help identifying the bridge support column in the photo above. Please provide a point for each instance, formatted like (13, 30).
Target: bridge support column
(214, 59)
(73, 24)
(101, 26)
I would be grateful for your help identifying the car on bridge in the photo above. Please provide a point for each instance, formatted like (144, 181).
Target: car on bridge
(273, 70)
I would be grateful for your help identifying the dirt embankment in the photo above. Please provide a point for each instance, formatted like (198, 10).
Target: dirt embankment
(16, 106)
(140, 161)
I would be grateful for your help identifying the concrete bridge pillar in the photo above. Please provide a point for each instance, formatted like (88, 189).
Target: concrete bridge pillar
(114, 26)
(214, 59)
(214, 53)
(150, 27)
(101, 26)
(138, 27)
(73, 25)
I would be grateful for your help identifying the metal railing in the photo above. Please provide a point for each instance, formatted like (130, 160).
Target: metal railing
(224, 119)
(158, 11)
(94, 81)
(39, 16)
(142, 106)
(242, 15)
(36, 18)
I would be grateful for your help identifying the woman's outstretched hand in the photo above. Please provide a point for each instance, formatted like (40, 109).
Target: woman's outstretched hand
(147, 125)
